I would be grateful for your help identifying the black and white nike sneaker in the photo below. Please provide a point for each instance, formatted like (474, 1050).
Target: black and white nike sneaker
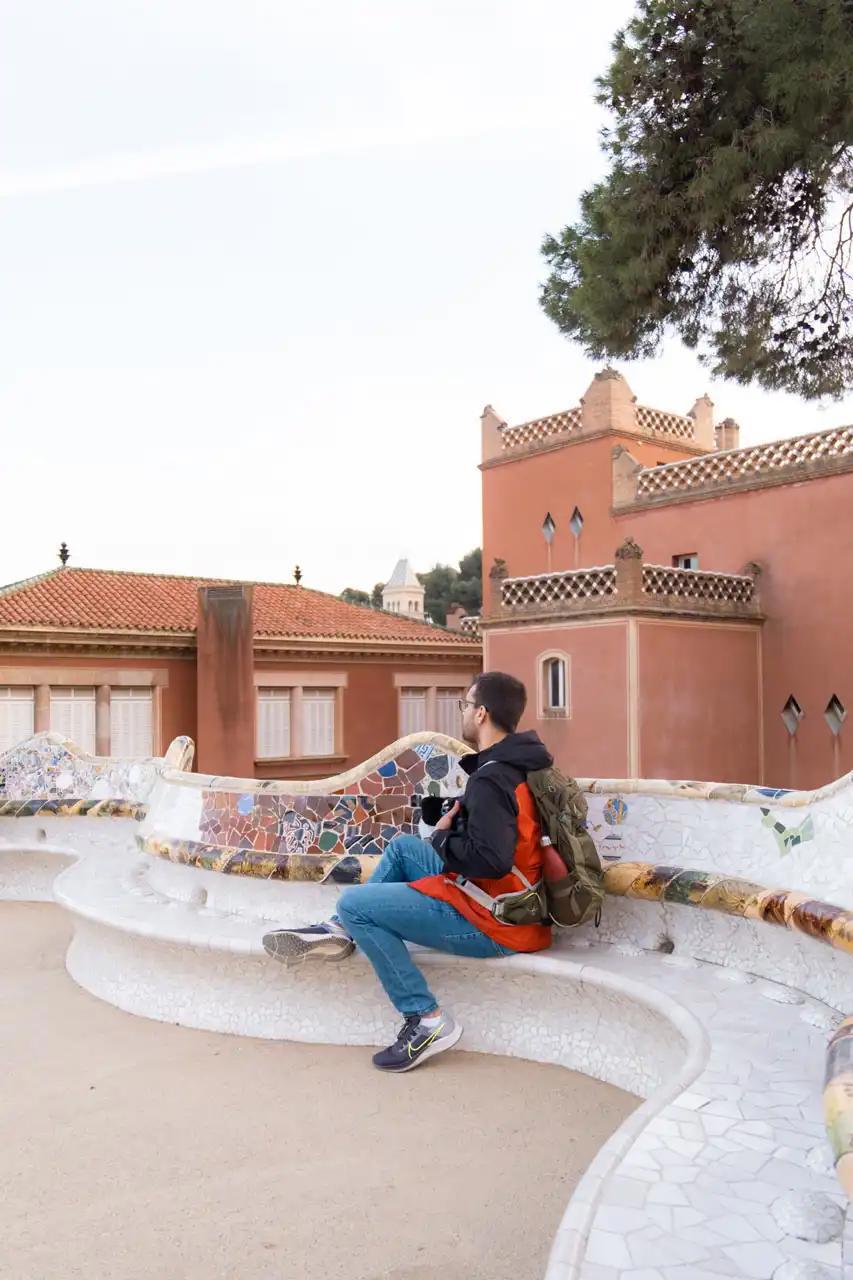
(327, 941)
(418, 1039)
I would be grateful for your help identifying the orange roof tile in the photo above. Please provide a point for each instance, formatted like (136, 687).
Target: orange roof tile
(118, 600)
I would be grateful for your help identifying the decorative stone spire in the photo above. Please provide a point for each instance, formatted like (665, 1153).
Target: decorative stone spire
(608, 404)
(297, 575)
(629, 550)
(702, 414)
(629, 572)
(625, 471)
(491, 425)
(64, 554)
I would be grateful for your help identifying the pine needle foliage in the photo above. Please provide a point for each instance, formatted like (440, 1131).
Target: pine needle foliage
(726, 216)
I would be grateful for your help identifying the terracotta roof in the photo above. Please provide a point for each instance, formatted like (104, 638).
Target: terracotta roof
(113, 600)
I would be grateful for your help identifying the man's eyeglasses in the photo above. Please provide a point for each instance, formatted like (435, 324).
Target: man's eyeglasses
(465, 702)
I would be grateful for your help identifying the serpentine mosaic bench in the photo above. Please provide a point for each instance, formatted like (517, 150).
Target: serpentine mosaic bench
(704, 992)
(45, 780)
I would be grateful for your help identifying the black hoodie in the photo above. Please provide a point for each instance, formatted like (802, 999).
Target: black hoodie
(481, 843)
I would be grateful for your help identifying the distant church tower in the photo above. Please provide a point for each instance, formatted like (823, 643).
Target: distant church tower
(403, 593)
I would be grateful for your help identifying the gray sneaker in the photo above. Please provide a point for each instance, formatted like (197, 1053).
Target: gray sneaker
(417, 1041)
(325, 941)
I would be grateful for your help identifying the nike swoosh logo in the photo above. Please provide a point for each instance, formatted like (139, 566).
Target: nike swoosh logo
(427, 1042)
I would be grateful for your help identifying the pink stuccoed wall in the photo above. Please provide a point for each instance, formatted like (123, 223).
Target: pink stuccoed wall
(594, 741)
(802, 536)
(699, 706)
(691, 709)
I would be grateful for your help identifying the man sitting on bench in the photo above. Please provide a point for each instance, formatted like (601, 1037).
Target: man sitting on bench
(439, 892)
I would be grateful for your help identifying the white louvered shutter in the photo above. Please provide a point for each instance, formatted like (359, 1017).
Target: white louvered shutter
(413, 711)
(16, 715)
(72, 713)
(318, 722)
(273, 729)
(131, 722)
(448, 714)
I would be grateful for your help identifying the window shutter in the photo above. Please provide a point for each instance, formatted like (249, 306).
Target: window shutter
(16, 715)
(413, 711)
(72, 713)
(273, 730)
(318, 727)
(448, 714)
(131, 722)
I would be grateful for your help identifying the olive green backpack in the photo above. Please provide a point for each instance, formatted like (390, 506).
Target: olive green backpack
(576, 896)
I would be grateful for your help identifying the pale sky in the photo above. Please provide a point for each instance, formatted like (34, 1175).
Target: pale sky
(264, 262)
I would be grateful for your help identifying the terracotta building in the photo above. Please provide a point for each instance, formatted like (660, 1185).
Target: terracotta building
(271, 680)
(679, 606)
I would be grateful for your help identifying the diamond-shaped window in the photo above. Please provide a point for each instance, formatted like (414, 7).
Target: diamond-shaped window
(549, 528)
(576, 522)
(792, 714)
(835, 714)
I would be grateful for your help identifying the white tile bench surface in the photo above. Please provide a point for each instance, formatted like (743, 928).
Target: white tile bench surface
(719, 1023)
(723, 1171)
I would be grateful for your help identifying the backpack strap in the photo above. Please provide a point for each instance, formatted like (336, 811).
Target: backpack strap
(473, 890)
(485, 899)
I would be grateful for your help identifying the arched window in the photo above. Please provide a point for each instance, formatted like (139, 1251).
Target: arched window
(554, 692)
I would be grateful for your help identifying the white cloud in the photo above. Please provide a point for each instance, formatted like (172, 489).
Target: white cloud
(197, 158)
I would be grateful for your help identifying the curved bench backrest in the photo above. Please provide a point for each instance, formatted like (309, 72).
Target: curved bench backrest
(770, 835)
(332, 828)
(764, 835)
(48, 767)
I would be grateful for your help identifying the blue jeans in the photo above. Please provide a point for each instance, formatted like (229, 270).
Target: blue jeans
(386, 912)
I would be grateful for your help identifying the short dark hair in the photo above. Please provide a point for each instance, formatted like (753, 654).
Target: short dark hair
(503, 697)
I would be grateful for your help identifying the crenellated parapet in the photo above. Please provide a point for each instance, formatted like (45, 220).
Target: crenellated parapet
(627, 585)
(731, 470)
(608, 405)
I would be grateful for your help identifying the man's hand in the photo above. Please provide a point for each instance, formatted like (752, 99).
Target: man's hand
(445, 823)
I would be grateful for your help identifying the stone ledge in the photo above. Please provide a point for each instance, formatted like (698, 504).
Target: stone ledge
(664, 607)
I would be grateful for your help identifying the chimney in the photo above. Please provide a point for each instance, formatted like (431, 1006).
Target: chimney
(455, 614)
(728, 434)
(225, 681)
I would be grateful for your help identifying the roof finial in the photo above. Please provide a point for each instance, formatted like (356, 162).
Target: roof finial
(297, 575)
(64, 553)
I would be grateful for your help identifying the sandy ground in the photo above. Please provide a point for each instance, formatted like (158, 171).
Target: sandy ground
(131, 1149)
